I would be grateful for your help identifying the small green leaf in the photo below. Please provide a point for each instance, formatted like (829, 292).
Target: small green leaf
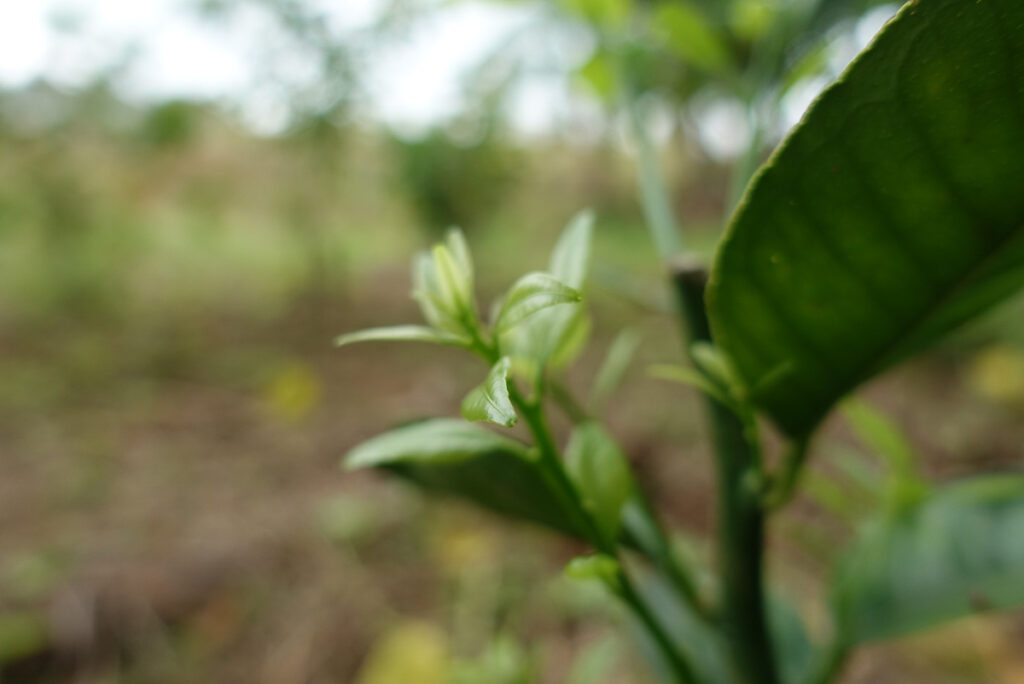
(490, 401)
(443, 285)
(691, 35)
(951, 555)
(573, 338)
(427, 291)
(556, 335)
(794, 652)
(459, 249)
(608, 14)
(455, 285)
(880, 434)
(530, 294)
(905, 484)
(596, 567)
(411, 333)
(431, 441)
(616, 363)
(571, 254)
(601, 473)
(455, 458)
(689, 376)
(600, 74)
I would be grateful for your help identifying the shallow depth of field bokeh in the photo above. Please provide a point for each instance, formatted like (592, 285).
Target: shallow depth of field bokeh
(175, 263)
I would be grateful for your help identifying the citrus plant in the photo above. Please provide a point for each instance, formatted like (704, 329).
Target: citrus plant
(891, 214)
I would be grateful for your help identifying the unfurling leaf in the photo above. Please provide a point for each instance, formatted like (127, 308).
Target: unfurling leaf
(443, 285)
(554, 336)
(530, 294)
(616, 363)
(490, 401)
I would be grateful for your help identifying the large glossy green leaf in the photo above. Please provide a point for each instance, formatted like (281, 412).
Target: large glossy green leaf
(892, 213)
(956, 553)
(456, 458)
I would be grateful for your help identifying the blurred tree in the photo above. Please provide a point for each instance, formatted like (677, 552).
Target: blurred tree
(454, 182)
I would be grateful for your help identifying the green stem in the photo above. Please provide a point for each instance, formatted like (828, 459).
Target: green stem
(572, 408)
(641, 528)
(653, 191)
(740, 517)
(551, 466)
(645, 532)
(681, 669)
(784, 486)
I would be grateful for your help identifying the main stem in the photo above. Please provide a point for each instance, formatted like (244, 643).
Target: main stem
(551, 465)
(740, 514)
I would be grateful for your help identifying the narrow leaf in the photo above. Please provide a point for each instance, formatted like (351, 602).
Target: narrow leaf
(455, 458)
(573, 338)
(616, 363)
(571, 254)
(532, 293)
(455, 285)
(691, 377)
(890, 215)
(427, 291)
(688, 33)
(952, 555)
(881, 435)
(601, 473)
(459, 249)
(411, 333)
(490, 401)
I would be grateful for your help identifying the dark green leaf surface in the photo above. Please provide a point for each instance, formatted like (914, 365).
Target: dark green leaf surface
(957, 553)
(891, 214)
(490, 401)
(456, 458)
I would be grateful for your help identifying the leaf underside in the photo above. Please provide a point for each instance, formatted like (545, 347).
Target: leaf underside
(956, 554)
(467, 461)
(891, 214)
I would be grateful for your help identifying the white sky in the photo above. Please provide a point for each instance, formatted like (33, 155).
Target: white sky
(410, 86)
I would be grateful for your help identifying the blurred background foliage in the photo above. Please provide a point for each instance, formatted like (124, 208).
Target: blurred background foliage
(172, 270)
